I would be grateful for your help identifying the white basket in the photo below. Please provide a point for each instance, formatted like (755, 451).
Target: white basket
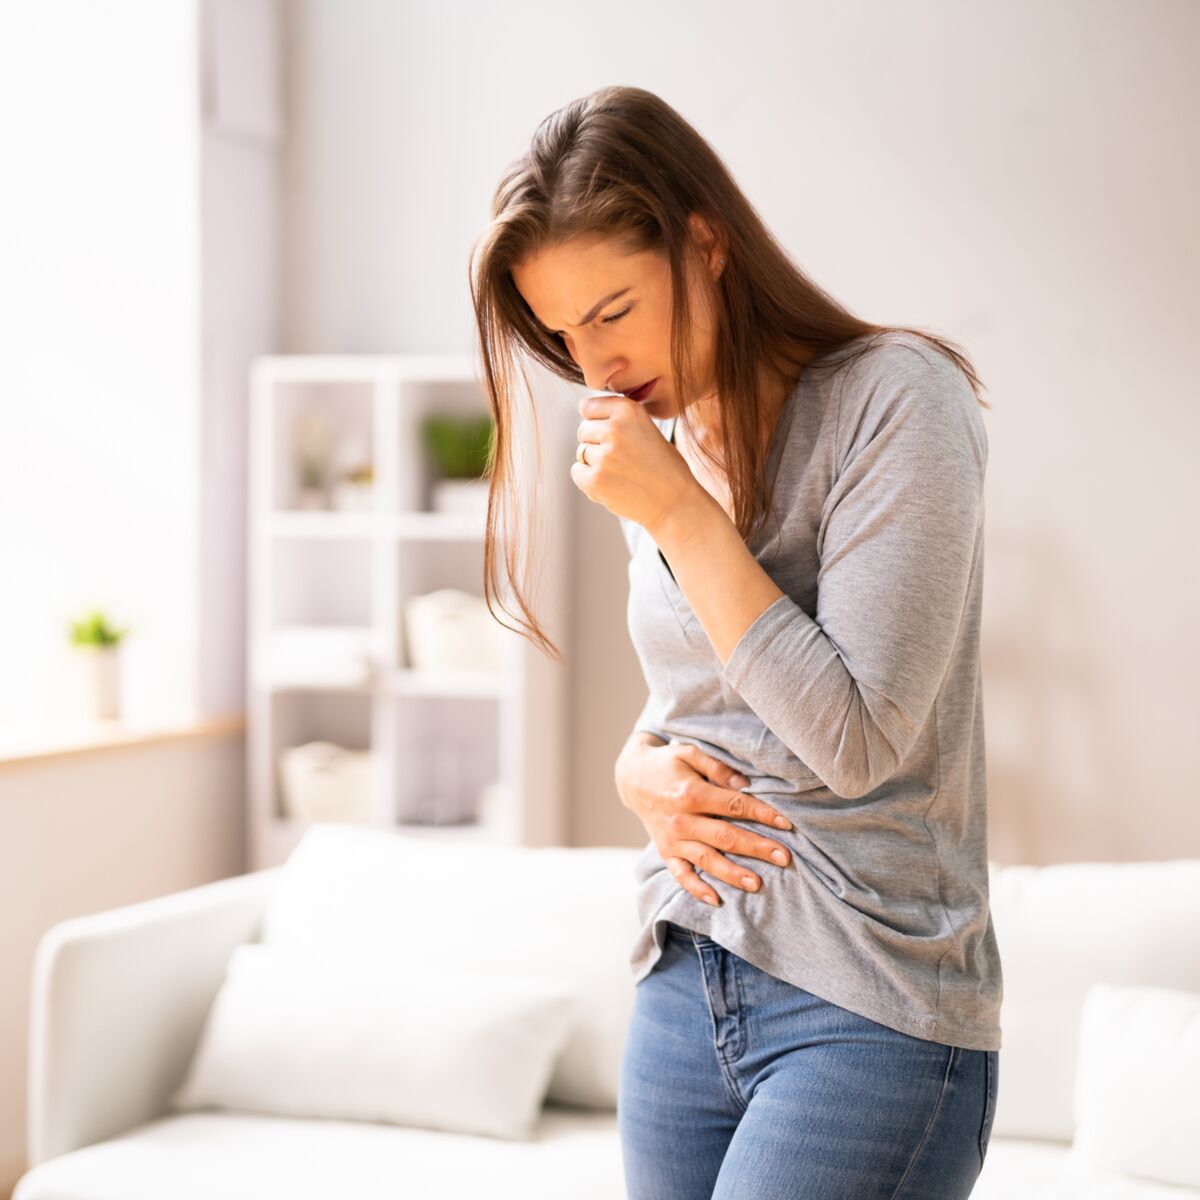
(325, 782)
(452, 630)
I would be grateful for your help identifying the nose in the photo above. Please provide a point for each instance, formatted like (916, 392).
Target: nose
(600, 384)
(599, 375)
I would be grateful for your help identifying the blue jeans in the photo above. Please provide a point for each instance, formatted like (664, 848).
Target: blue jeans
(735, 1084)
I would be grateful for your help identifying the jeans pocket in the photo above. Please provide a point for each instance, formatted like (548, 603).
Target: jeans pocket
(991, 1061)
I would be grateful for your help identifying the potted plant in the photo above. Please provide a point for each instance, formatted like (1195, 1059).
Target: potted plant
(312, 453)
(97, 643)
(460, 448)
(311, 494)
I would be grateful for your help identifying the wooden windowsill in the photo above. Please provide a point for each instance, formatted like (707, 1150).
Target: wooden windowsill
(19, 747)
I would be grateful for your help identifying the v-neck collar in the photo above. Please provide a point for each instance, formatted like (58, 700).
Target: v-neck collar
(783, 424)
(779, 438)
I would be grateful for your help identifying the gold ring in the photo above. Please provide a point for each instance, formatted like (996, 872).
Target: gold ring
(582, 455)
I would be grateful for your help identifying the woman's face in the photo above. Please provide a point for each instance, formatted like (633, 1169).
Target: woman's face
(612, 312)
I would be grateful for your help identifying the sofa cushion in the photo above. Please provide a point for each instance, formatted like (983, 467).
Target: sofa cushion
(1136, 1105)
(311, 1035)
(418, 902)
(242, 1156)
(1060, 929)
(1033, 1169)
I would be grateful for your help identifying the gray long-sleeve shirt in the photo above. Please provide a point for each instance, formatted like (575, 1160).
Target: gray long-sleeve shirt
(853, 703)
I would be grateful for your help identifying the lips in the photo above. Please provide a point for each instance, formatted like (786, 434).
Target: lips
(641, 393)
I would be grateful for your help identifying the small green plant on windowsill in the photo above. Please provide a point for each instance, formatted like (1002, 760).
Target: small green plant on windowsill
(95, 630)
(96, 641)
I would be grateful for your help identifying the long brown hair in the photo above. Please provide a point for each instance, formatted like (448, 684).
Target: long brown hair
(621, 164)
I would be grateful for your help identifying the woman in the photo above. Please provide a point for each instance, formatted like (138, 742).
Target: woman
(827, 1029)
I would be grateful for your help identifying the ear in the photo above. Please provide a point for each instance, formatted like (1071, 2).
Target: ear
(707, 243)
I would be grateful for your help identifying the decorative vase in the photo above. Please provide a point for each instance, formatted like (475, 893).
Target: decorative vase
(99, 670)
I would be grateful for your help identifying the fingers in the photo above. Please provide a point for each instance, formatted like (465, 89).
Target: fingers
(739, 804)
(713, 768)
(712, 862)
(715, 834)
(725, 776)
(707, 858)
(685, 875)
(708, 837)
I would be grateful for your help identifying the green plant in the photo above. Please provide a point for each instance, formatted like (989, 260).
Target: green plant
(460, 446)
(311, 475)
(94, 629)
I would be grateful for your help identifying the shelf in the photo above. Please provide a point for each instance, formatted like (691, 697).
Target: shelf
(284, 686)
(300, 524)
(407, 526)
(409, 682)
(405, 682)
(365, 368)
(434, 526)
(329, 618)
(290, 831)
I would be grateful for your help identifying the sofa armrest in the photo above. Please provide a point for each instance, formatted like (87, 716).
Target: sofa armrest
(118, 1000)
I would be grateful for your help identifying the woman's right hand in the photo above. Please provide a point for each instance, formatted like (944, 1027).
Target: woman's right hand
(669, 787)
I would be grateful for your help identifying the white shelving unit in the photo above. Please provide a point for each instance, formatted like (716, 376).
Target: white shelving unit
(436, 739)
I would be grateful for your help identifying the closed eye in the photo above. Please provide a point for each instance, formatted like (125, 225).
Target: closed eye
(607, 320)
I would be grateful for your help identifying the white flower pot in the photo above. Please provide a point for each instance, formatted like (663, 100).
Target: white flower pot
(460, 495)
(99, 682)
(353, 497)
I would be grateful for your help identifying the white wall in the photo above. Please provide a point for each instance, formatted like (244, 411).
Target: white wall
(1020, 177)
(242, 131)
(99, 326)
(137, 243)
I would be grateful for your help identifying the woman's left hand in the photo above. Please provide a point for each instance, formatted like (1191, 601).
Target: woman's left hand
(631, 468)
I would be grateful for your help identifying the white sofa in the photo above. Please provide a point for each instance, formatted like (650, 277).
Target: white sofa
(120, 999)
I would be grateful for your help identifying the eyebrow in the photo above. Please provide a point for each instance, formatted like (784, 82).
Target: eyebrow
(593, 311)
